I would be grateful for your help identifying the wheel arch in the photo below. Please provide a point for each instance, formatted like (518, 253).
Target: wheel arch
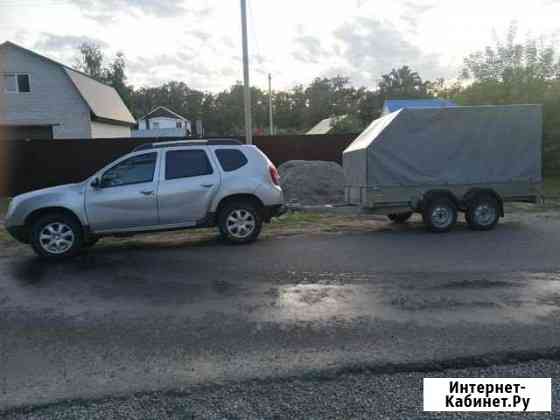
(433, 194)
(36, 214)
(239, 197)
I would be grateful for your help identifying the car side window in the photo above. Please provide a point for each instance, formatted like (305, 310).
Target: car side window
(186, 164)
(231, 159)
(135, 170)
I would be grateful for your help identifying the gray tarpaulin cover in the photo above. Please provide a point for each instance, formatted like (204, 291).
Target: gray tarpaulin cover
(460, 145)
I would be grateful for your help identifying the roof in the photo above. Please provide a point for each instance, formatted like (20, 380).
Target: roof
(162, 111)
(395, 104)
(182, 143)
(324, 126)
(104, 101)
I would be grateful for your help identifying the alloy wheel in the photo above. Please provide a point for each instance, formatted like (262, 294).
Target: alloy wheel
(240, 223)
(56, 238)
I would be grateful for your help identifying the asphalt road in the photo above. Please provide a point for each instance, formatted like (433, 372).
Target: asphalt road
(307, 308)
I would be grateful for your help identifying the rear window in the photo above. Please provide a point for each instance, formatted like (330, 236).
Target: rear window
(231, 159)
(186, 164)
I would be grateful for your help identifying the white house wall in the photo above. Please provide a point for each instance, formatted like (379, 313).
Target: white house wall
(53, 99)
(163, 122)
(102, 130)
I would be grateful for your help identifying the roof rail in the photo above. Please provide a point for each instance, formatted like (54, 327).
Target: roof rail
(192, 142)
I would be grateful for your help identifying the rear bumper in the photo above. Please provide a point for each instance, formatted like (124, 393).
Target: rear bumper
(19, 233)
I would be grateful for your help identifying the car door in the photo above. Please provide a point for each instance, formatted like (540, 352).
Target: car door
(188, 182)
(125, 198)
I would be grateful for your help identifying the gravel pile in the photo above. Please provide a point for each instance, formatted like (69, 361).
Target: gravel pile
(312, 182)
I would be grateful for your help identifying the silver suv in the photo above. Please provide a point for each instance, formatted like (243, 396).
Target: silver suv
(157, 187)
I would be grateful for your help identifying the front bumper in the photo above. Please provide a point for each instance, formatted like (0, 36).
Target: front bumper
(19, 233)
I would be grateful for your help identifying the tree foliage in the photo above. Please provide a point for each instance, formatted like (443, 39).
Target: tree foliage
(514, 72)
(511, 71)
(295, 110)
(91, 60)
(508, 72)
(403, 83)
(346, 124)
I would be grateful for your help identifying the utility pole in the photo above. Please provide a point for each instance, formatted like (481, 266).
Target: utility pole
(270, 120)
(248, 119)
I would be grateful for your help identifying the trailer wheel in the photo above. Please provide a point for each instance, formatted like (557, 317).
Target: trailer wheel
(440, 214)
(483, 212)
(399, 217)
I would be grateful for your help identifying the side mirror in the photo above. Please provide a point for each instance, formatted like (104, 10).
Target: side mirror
(96, 183)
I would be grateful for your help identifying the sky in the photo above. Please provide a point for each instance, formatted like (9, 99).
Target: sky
(199, 41)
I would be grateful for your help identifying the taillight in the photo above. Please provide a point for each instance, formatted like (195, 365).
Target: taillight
(274, 175)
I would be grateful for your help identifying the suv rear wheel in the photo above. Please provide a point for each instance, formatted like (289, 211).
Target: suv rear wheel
(240, 222)
(56, 236)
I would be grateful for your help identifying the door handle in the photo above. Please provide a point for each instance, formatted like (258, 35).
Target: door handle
(146, 192)
(207, 185)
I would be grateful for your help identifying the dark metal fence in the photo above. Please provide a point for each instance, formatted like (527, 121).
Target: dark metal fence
(29, 165)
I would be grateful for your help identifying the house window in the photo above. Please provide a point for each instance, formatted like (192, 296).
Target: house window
(155, 124)
(16, 83)
(179, 124)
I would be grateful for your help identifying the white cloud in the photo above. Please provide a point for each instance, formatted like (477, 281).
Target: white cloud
(52, 42)
(198, 41)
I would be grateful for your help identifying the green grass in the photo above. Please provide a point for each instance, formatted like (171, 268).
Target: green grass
(552, 186)
(4, 202)
(292, 223)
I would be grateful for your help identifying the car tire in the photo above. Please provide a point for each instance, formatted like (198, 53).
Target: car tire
(440, 215)
(483, 213)
(56, 236)
(400, 218)
(240, 222)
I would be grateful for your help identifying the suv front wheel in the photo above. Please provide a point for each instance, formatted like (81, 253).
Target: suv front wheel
(56, 236)
(240, 222)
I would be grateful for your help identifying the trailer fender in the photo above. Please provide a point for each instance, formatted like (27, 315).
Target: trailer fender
(432, 194)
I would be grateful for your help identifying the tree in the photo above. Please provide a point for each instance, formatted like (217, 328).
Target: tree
(330, 97)
(115, 75)
(369, 106)
(510, 72)
(90, 60)
(403, 83)
(516, 72)
(347, 124)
